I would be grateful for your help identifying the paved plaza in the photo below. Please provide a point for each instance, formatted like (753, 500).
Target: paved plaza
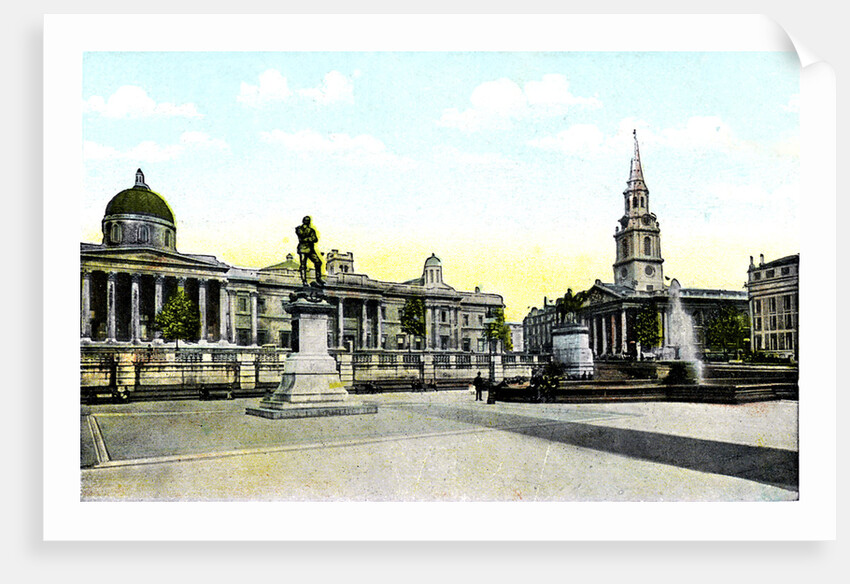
(442, 446)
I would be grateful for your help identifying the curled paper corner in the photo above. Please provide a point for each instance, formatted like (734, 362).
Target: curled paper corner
(806, 56)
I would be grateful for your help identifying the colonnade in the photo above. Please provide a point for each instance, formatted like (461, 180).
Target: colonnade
(113, 312)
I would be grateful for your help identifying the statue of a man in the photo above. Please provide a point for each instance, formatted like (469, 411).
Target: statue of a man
(307, 239)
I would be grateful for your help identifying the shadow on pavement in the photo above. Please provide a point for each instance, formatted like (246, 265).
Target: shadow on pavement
(770, 466)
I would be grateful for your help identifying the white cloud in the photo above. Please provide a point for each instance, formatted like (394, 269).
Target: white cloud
(335, 87)
(496, 103)
(274, 88)
(359, 150)
(793, 105)
(149, 151)
(130, 101)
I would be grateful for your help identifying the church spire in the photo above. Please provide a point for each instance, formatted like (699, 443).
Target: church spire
(636, 172)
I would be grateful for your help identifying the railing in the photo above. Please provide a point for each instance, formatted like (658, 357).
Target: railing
(191, 356)
(411, 359)
(442, 361)
(464, 361)
(387, 360)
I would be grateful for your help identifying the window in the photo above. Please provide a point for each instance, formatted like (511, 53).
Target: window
(770, 273)
(243, 304)
(144, 234)
(756, 275)
(480, 345)
(443, 316)
(286, 339)
(466, 345)
(625, 247)
(383, 341)
(757, 309)
(384, 312)
(399, 341)
(465, 320)
(115, 233)
(772, 304)
(757, 323)
(444, 342)
(785, 271)
(480, 319)
(647, 246)
(786, 302)
(261, 305)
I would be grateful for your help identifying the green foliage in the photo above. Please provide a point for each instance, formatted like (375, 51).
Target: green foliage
(496, 329)
(178, 319)
(648, 327)
(569, 305)
(728, 330)
(413, 317)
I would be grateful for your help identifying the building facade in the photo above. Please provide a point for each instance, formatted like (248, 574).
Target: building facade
(126, 279)
(773, 295)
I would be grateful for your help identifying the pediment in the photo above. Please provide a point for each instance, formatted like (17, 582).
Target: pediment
(150, 259)
(600, 295)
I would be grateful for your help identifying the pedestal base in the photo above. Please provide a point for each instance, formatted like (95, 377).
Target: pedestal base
(280, 411)
(310, 386)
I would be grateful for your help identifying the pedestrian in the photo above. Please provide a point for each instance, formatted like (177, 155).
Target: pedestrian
(478, 382)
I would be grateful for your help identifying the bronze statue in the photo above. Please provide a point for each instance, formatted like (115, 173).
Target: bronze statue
(307, 239)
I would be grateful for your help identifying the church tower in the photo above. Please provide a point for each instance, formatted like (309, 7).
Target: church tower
(638, 236)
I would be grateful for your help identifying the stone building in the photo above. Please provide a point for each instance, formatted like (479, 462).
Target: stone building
(773, 290)
(611, 310)
(126, 279)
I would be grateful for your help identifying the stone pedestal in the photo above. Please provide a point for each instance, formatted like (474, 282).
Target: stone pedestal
(571, 348)
(310, 385)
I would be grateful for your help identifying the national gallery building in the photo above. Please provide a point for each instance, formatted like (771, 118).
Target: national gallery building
(611, 309)
(127, 278)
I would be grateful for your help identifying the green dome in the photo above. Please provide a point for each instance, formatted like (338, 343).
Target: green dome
(432, 261)
(139, 201)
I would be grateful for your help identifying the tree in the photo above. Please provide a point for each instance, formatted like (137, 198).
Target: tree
(728, 330)
(569, 305)
(497, 330)
(648, 327)
(178, 319)
(413, 318)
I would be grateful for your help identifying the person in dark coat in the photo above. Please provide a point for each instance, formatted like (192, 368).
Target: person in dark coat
(478, 382)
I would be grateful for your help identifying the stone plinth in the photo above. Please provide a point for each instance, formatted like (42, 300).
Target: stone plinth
(571, 348)
(310, 385)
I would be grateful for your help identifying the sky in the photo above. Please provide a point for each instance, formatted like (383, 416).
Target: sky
(509, 166)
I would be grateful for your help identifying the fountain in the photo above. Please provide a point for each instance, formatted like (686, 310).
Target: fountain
(681, 343)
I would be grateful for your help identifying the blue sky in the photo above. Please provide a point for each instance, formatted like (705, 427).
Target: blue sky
(508, 166)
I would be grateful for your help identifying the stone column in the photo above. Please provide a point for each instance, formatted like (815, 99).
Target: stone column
(157, 301)
(254, 318)
(429, 327)
(232, 305)
(340, 323)
(604, 336)
(222, 311)
(85, 308)
(110, 307)
(135, 300)
(181, 283)
(613, 333)
(665, 340)
(364, 320)
(202, 307)
(380, 327)
(624, 344)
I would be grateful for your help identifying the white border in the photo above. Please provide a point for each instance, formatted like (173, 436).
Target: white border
(66, 518)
